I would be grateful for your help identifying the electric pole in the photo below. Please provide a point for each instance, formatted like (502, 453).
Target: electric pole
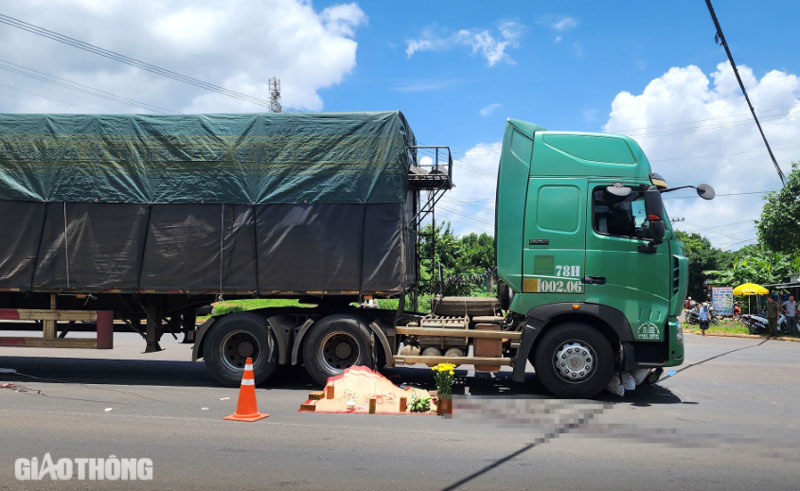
(274, 95)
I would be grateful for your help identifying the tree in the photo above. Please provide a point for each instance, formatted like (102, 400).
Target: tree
(465, 261)
(703, 258)
(755, 263)
(779, 226)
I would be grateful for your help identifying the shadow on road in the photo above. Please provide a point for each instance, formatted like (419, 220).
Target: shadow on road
(195, 374)
(106, 371)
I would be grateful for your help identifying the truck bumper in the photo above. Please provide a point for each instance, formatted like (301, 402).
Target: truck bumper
(675, 336)
(646, 354)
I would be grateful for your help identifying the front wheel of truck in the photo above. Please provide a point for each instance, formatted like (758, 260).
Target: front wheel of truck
(574, 361)
(235, 338)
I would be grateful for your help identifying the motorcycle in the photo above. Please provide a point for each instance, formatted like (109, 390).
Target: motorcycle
(757, 324)
(693, 317)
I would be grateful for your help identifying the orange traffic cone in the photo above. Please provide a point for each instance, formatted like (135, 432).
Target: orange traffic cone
(246, 407)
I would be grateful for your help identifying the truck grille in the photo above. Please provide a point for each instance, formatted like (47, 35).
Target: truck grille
(676, 275)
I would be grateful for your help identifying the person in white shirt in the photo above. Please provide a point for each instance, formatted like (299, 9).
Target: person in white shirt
(789, 309)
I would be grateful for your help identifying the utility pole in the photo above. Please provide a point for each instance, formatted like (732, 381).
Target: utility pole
(720, 39)
(274, 95)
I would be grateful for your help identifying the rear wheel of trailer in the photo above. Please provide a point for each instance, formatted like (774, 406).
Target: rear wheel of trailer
(232, 340)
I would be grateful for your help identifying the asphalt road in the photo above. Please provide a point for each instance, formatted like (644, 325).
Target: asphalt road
(727, 420)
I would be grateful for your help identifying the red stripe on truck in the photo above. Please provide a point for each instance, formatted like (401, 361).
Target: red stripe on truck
(12, 341)
(11, 314)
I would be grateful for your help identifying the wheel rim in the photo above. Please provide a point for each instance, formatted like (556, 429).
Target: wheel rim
(237, 347)
(574, 361)
(339, 350)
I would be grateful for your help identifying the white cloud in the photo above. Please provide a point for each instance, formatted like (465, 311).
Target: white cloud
(564, 24)
(237, 44)
(488, 110)
(491, 47)
(699, 130)
(343, 19)
(558, 39)
(469, 206)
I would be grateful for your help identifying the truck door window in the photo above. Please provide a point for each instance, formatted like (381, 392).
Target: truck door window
(618, 216)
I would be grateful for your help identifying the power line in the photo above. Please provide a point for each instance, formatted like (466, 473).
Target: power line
(76, 43)
(78, 87)
(50, 98)
(626, 130)
(681, 131)
(725, 194)
(732, 223)
(719, 154)
(632, 131)
(720, 38)
(465, 216)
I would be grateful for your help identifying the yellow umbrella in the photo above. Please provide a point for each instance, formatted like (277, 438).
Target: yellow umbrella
(750, 289)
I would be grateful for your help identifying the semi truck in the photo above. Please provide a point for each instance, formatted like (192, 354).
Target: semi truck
(146, 220)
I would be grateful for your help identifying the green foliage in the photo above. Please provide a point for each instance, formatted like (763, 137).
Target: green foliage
(757, 264)
(703, 258)
(229, 306)
(421, 405)
(466, 262)
(725, 326)
(391, 303)
(779, 226)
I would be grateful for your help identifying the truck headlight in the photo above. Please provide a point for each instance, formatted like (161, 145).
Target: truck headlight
(679, 331)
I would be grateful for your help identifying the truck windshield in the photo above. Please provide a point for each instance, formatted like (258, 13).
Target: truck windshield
(619, 216)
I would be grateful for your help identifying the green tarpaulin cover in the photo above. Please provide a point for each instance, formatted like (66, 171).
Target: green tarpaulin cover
(224, 158)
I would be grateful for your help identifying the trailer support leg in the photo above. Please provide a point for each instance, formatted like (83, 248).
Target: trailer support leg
(189, 319)
(154, 318)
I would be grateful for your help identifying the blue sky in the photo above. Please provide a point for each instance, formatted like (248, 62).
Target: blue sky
(457, 70)
(613, 46)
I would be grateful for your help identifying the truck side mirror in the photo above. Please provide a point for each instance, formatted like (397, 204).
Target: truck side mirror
(656, 227)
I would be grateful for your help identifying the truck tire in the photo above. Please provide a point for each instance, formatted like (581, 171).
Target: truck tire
(234, 338)
(461, 306)
(574, 361)
(334, 343)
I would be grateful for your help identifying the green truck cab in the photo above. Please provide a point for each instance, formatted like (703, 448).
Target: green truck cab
(592, 265)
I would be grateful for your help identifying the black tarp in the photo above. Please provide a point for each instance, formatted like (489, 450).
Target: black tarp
(204, 248)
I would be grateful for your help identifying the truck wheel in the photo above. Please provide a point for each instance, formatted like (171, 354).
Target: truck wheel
(234, 338)
(574, 361)
(336, 342)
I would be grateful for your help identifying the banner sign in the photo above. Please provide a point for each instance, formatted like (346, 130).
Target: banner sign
(722, 300)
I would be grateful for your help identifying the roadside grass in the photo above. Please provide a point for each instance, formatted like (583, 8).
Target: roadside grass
(725, 326)
(228, 306)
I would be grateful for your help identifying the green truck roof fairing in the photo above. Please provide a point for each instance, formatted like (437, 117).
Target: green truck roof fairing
(530, 151)
(219, 158)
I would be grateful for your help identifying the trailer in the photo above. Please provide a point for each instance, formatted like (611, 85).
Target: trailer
(155, 217)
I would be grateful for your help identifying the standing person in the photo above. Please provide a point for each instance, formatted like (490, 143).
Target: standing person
(772, 316)
(789, 309)
(688, 303)
(703, 314)
(737, 311)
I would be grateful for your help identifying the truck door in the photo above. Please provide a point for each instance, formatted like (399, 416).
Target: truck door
(617, 273)
(554, 240)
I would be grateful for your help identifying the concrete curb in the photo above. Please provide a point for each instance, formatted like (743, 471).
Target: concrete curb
(737, 335)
